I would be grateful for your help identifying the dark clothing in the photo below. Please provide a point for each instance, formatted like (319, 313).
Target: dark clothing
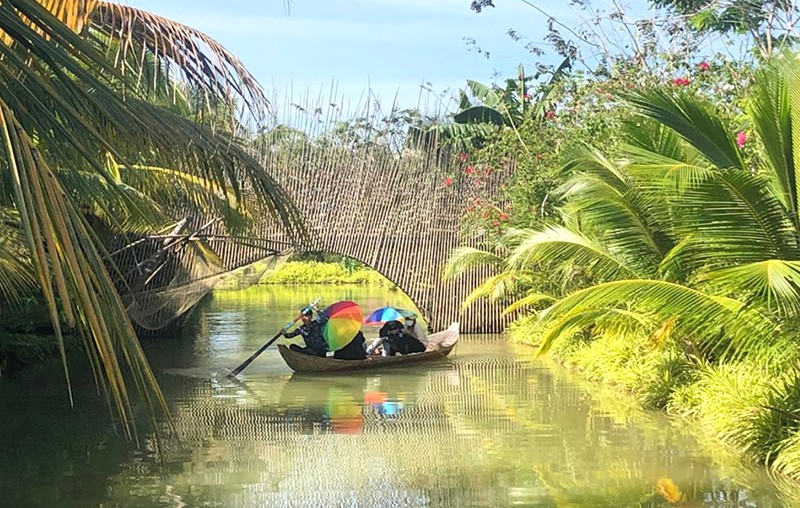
(398, 340)
(405, 343)
(355, 350)
(312, 336)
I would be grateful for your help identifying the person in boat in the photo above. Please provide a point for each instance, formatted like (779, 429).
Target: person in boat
(394, 340)
(383, 344)
(411, 327)
(311, 331)
(355, 350)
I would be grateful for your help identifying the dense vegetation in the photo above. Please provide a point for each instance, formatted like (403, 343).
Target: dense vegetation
(345, 271)
(649, 234)
(110, 115)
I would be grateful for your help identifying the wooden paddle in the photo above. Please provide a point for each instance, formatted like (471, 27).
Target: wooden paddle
(277, 336)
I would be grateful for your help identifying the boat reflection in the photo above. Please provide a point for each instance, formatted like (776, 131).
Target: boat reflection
(342, 405)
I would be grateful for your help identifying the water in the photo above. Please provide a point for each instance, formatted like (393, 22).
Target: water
(492, 426)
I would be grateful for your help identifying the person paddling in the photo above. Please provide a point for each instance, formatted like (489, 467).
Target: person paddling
(311, 331)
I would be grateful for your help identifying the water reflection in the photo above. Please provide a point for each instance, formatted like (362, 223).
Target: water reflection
(490, 427)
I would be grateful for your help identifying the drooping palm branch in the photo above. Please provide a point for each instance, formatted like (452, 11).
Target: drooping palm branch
(65, 106)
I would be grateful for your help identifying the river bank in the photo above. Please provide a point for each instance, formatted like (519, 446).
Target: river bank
(747, 406)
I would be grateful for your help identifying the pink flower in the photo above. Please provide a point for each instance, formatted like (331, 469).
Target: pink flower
(448, 181)
(550, 115)
(703, 66)
(681, 81)
(469, 170)
(495, 223)
(462, 157)
(741, 138)
(478, 181)
(470, 208)
(503, 216)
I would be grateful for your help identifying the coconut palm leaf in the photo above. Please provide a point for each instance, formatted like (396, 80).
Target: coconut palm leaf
(718, 323)
(65, 253)
(562, 248)
(57, 88)
(732, 218)
(531, 299)
(609, 199)
(494, 287)
(464, 259)
(115, 202)
(694, 122)
(103, 121)
(16, 278)
(200, 61)
(773, 285)
(770, 109)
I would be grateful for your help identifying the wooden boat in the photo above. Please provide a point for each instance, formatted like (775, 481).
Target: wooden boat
(442, 343)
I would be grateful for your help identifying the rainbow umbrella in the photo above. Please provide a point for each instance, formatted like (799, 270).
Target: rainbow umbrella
(385, 314)
(342, 323)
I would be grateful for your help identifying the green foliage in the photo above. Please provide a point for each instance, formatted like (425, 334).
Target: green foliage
(316, 272)
(649, 371)
(746, 405)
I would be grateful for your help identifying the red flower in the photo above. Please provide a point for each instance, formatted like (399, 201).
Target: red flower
(495, 223)
(462, 157)
(550, 115)
(526, 97)
(703, 66)
(538, 156)
(478, 181)
(448, 181)
(503, 216)
(469, 170)
(470, 208)
(681, 81)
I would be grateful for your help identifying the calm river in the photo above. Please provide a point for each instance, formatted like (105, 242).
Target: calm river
(492, 426)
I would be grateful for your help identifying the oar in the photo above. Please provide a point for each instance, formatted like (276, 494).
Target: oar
(277, 336)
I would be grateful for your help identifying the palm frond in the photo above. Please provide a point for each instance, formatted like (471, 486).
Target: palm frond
(529, 300)
(770, 109)
(733, 218)
(16, 278)
(718, 323)
(463, 259)
(610, 204)
(773, 285)
(493, 287)
(117, 203)
(65, 256)
(558, 246)
(694, 122)
(202, 62)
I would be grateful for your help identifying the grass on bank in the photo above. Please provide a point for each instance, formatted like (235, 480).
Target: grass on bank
(747, 405)
(325, 272)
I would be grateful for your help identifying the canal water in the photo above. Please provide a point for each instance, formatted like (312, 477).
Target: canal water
(491, 426)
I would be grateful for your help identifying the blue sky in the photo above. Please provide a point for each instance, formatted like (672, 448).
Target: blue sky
(390, 46)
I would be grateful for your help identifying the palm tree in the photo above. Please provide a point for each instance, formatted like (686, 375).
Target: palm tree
(681, 229)
(83, 82)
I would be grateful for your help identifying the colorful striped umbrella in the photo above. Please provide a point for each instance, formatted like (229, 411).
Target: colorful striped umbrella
(342, 323)
(385, 314)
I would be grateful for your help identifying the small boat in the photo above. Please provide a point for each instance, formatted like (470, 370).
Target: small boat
(441, 342)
